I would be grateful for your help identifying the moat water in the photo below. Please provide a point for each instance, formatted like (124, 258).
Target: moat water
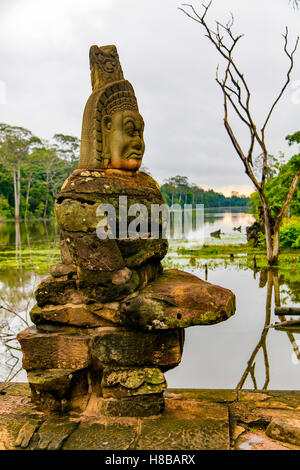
(239, 352)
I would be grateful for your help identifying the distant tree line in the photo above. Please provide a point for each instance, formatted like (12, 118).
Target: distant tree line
(178, 190)
(32, 171)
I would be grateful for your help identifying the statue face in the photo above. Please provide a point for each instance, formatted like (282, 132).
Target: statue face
(124, 139)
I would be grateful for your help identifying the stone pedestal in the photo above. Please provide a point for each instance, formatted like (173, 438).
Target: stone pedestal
(106, 370)
(109, 321)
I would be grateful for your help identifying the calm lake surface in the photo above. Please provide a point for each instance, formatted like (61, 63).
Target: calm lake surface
(214, 356)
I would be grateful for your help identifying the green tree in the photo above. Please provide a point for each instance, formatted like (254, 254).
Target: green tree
(32, 171)
(16, 143)
(277, 186)
(67, 148)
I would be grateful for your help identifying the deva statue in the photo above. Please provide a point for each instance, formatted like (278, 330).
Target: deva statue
(112, 128)
(110, 319)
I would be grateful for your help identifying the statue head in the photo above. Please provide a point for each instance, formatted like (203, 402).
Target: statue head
(123, 143)
(112, 129)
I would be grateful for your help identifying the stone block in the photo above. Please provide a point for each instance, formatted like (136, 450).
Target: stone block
(279, 399)
(121, 382)
(59, 390)
(136, 252)
(79, 216)
(76, 216)
(67, 314)
(107, 292)
(187, 425)
(285, 430)
(203, 395)
(101, 436)
(16, 431)
(55, 348)
(61, 269)
(52, 434)
(57, 291)
(26, 433)
(124, 347)
(109, 183)
(62, 291)
(51, 379)
(91, 253)
(178, 300)
(134, 406)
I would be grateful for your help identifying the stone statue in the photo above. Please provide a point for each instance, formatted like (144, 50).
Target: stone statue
(109, 320)
(112, 128)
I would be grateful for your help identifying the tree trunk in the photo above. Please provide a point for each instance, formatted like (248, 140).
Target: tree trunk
(28, 191)
(15, 193)
(47, 193)
(18, 244)
(18, 187)
(16, 180)
(268, 233)
(275, 252)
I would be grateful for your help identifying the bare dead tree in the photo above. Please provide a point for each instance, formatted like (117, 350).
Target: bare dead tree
(295, 4)
(237, 99)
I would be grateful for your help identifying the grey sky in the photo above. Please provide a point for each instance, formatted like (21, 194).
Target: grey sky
(44, 64)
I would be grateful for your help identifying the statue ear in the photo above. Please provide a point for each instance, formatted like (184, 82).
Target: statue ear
(106, 127)
(106, 123)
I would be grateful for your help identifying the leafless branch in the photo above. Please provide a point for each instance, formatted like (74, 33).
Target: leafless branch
(291, 57)
(295, 3)
(234, 74)
(15, 313)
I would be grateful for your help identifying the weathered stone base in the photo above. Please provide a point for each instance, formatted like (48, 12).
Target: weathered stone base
(139, 406)
(114, 371)
(192, 420)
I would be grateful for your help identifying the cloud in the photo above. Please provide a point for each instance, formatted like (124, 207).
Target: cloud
(44, 65)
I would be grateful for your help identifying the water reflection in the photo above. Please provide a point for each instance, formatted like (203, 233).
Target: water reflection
(26, 234)
(16, 300)
(272, 282)
(243, 352)
(269, 277)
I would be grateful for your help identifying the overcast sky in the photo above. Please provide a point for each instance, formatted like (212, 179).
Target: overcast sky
(44, 66)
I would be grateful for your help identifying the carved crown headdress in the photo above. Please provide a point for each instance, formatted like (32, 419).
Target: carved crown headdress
(111, 93)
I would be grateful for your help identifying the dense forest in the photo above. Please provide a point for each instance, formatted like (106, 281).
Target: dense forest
(32, 171)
